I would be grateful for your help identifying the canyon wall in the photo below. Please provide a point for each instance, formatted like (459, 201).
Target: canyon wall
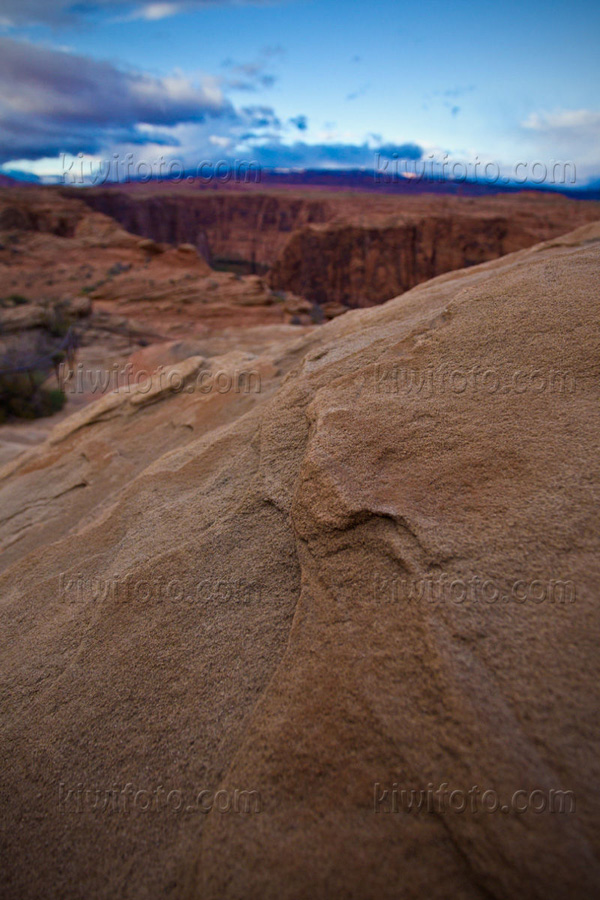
(253, 229)
(36, 210)
(365, 266)
(350, 249)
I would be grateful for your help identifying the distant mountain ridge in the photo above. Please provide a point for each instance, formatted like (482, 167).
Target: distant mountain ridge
(227, 174)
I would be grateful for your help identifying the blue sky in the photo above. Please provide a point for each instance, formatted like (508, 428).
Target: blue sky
(319, 82)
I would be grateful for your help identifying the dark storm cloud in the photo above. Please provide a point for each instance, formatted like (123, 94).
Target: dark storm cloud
(53, 102)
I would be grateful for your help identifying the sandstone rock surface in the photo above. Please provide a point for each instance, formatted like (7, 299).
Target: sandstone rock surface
(207, 591)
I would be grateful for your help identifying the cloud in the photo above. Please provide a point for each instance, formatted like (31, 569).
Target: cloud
(65, 12)
(400, 151)
(250, 76)
(218, 141)
(272, 50)
(258, 117)
(570, 124)
(266, 147)
(333, 155)
(52, 102)
(567, 134)
(301, 122)
(359, 92)
(448, 98)
(154, 12)
(245, 84)
(456, 92)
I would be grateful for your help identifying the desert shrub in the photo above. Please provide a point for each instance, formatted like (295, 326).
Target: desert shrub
(57, 321)
(117, 269)
(23, 396)
(26, 362)
(54, 400)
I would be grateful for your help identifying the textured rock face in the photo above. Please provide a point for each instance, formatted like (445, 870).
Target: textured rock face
(249, 228)
(212, 592)
(364, 266)
(357, 249)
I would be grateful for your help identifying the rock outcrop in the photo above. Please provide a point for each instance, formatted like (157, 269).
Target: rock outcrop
(216, 675)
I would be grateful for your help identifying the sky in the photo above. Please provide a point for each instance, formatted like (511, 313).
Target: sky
(317, 83)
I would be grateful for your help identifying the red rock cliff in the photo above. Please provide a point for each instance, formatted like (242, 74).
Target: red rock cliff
(355, 249)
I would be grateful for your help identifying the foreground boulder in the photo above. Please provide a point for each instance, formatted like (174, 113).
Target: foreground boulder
(284, 607)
